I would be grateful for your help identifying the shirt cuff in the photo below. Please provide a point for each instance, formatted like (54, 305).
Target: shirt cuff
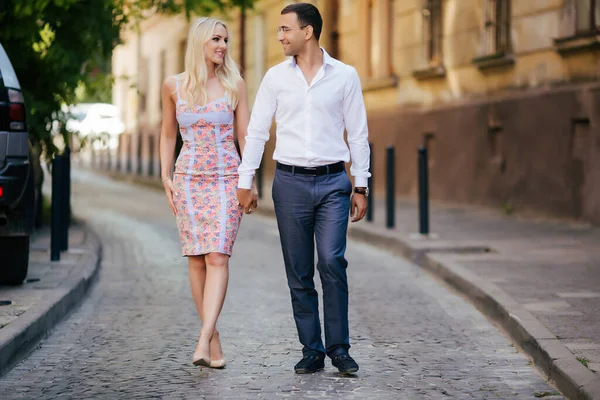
(245, 182)
(360, 181)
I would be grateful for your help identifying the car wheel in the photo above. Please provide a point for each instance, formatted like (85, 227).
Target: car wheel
(15, 260)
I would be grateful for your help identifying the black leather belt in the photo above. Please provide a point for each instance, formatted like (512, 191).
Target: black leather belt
(321, 170)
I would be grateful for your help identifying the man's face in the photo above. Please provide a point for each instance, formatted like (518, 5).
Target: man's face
(291, 34)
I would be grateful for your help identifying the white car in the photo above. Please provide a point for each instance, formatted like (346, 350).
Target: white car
(96, 121)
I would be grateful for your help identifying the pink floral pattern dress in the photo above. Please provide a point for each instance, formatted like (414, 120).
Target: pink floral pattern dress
(205, 179)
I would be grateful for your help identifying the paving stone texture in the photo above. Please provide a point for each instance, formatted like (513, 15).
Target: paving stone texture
(133, 337)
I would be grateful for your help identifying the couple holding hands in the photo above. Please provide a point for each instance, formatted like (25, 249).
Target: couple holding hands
(314, 99)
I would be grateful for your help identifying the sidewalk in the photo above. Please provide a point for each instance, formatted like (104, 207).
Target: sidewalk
(51, 290)
(538, 279)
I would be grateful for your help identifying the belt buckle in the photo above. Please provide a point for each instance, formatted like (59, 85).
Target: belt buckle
(311, 169)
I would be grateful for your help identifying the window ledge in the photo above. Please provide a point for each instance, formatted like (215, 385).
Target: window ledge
(577, 43)
(495, 60)
(380, 83)
(436, 71)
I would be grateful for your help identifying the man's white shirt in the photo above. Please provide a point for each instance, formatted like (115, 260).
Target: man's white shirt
(310, 120)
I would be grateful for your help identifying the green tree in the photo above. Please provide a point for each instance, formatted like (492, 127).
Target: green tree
(57, 46)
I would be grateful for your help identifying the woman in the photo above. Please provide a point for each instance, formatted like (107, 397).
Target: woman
(205, 100)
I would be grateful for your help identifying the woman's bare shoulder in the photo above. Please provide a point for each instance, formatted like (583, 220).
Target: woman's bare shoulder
(170, 82)
(241, 85)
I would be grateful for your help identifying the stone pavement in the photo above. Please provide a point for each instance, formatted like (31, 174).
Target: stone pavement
(538, 278)
(134, 335)
(51, 290)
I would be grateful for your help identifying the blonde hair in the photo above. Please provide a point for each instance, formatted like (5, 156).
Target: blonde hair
(196, 73)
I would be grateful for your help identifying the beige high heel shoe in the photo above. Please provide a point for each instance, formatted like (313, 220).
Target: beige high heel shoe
(217, 364)
(201, 356)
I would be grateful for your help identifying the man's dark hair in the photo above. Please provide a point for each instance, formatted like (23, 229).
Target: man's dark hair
(307, 15)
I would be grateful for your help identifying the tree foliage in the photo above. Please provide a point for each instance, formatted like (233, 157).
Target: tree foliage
(57, 46)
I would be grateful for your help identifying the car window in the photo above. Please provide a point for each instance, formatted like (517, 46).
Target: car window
(7, 71)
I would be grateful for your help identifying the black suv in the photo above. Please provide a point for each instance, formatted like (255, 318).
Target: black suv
(20, 179)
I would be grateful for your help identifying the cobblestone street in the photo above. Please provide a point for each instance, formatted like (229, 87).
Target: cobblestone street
(134, 335)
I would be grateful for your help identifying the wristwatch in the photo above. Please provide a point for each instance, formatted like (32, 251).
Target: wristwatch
(362, 190)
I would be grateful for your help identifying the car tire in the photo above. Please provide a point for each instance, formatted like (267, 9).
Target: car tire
(15, 260)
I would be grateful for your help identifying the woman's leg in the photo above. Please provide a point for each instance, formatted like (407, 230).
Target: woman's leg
(197, 274)
(215, 289)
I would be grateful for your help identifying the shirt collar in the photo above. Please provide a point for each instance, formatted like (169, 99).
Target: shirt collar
(326, 59)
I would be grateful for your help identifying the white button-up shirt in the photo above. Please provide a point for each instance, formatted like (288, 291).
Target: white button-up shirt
(310, 120)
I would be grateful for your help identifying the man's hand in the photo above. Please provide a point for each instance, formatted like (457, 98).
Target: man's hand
(358, 206)
(248, 199)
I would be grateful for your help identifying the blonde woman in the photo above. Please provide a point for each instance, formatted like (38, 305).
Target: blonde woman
(205, 101)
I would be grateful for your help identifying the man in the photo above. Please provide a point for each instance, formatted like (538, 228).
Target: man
(314, 98)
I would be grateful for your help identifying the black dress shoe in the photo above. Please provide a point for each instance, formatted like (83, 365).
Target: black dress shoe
(310, 363)
(345, 364)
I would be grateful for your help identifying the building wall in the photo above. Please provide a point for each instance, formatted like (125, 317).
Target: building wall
(516, 127)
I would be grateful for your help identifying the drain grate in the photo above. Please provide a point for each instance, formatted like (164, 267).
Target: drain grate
(5, 302)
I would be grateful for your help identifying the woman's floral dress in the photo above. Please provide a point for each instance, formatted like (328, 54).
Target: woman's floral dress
(205, 179)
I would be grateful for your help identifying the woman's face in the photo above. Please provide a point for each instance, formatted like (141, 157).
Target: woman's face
(216, 48)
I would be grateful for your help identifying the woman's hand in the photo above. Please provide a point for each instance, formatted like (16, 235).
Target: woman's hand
(170, 192)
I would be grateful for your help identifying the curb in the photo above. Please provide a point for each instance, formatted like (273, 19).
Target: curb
(22, 335)
(549, 355)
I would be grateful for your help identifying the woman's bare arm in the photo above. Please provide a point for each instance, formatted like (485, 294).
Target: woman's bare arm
(168, 138)
(242, 116)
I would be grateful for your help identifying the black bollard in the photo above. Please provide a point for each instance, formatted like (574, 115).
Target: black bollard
(423, 191)
(65, 199)
(119, 152)
(151, 156)
(128, 147)
(140, 140)
(109, 159)
(259, 181)
(370, 185)
(56, 210)
(259, 175)
(389, 187)
(93, 157)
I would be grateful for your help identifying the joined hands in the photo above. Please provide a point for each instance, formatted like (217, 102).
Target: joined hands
(248, 199)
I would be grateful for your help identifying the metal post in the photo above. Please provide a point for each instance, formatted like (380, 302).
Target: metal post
(109, 158)
(370, 185)
(260, 178)
(65, 203)
(119, 153)
(139, 149)
(151, 156)
(423, 191)
(56, 210)
(93, 156)
(128, 151)
(390, 191)
(101, 159)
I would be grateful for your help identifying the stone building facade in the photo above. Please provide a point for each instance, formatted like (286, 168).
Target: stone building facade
(506, 91)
